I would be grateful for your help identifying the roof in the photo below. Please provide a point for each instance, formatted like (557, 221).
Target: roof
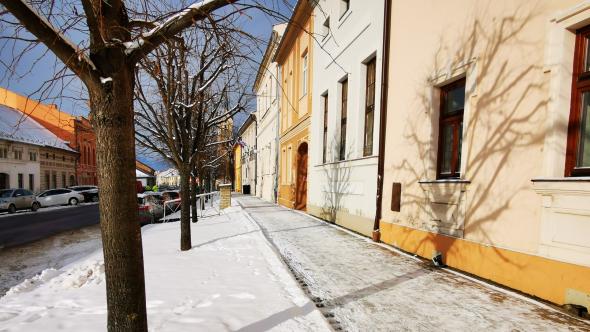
(273, 42)
(249, 120)
(301, 8)
(18, 127)
(140, 174)
(144, 168)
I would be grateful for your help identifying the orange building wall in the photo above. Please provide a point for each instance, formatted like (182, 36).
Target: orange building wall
(295, 108)
(545, 278)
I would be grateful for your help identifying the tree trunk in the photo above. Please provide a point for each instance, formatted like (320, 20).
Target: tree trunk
(194, 213)
(112, 117)
(185, 206)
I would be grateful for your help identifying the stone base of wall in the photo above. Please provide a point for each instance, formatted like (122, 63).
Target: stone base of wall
(558, 282)
(353, 222)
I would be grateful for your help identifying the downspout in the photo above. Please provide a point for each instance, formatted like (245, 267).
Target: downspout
(255, 155)
(278, 128)
(382, 118)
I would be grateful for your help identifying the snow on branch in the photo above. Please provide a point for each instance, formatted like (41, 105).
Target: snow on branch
(73, 57)
(175, 24)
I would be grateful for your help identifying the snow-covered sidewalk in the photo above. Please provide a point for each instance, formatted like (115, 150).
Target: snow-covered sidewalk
(232, 280)
(363, 286)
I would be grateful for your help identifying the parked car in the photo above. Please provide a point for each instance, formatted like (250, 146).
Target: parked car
(12, 200)
(90, 193)
(169, 195)
(150, 207)
(60, 196)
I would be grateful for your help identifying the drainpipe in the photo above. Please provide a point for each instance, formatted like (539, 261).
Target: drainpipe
(382, 118)
(255, 155)
(278, 148)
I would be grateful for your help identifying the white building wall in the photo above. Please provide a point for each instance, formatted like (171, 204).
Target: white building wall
(344, 191)
(249, 157)
(267, 114)
(13, 167)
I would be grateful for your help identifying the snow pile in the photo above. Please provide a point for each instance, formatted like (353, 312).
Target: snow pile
(230, 280)
(33, 282)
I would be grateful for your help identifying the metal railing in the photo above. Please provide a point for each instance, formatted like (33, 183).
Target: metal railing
(202, 201)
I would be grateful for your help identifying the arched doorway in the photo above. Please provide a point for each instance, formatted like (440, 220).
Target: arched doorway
(301, 184)
(4, 181)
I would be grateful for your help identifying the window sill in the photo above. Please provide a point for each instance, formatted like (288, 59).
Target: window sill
(338, 162)
(445, 186)
(570, 185)
(442, 181)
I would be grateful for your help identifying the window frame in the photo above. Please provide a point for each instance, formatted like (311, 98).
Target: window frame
(343, 118)
(325, 132)
(368, 140)
(455, 119)
(31, 182)
(580, 85)
(344, 7)
(304, 73)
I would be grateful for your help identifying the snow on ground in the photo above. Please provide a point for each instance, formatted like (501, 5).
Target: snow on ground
(362, 286)
(26, 261)
(230, 280)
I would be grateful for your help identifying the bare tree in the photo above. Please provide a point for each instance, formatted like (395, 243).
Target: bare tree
(189, 88)
(113, 39)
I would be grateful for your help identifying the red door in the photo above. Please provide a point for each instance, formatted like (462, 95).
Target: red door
(301, 184)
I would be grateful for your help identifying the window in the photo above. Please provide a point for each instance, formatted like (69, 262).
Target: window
(304, 75)
(53, 156)
(577, 161)
(63, 158)
(325, 139)
(63, 180)
(344, 7)
(54, 180)
(284, 167)
(450, 129)
(47, 184)
(32, 156)
(343, 118)
(289, 165)
(369, 107)
(32, 182)
(3, 152)
(326, 27)
(21, 181)
(18, 154)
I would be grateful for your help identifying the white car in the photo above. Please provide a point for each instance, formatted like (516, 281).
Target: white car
(60, 197)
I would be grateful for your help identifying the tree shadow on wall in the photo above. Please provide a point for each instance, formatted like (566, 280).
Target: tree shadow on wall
(500, 124)
(336, 182)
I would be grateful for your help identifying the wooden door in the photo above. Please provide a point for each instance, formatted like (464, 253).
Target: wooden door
(301, 184)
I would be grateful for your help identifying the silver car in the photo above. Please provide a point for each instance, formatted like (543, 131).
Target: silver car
(17, 199)
(60, 196)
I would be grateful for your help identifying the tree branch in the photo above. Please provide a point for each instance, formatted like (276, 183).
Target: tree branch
(174, 25)
(73, 57)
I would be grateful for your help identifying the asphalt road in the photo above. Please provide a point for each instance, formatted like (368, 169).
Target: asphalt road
(22, 228)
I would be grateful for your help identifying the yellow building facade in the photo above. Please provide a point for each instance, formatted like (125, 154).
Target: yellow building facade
(295, 59)
(237, 155)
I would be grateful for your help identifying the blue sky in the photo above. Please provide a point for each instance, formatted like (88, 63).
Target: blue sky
(38, 66)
